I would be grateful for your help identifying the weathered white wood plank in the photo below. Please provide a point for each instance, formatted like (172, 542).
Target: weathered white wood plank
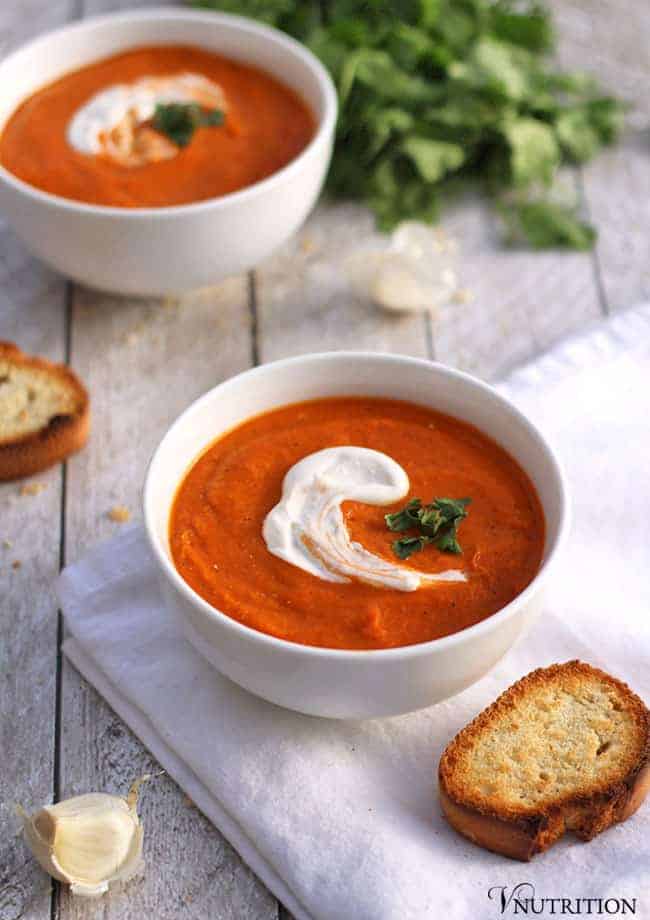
(517, 302)
(520, 303)
(32, 314)
(153, 360)
(21, 21)
(305, 301)
(144, 361)
(607, 38)
(617, 188)
(612, 40)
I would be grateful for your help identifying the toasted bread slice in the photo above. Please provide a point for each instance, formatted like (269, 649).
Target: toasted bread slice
(44, 413)
(565, 748)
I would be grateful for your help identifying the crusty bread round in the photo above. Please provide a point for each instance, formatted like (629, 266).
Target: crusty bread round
(44, 413)
(566, 748)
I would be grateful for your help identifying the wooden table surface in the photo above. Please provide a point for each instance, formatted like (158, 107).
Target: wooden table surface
(144, 361)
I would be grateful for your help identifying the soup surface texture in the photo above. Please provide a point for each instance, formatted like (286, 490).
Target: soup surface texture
(266, 125)
(219, 512)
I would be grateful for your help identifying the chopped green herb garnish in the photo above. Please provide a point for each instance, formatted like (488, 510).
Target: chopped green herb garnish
(440, 95)
(406, 518)
(409, 545)
(179, 120)
(436, 522)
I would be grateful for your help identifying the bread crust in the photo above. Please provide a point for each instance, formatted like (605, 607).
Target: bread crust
(520, 833)
(64, 435)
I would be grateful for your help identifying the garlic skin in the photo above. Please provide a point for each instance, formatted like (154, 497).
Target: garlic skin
(88, 841)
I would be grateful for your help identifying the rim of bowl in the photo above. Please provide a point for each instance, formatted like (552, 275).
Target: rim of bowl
(402, 651)
(325, 122)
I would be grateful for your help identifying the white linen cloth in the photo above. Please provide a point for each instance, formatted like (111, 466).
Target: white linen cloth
(341, 820)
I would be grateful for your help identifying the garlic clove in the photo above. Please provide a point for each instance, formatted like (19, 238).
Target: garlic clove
(414, 271)
(88, 841)
(401, 284)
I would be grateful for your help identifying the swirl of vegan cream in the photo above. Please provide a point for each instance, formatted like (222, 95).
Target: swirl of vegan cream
(120, 109)
(306, 528)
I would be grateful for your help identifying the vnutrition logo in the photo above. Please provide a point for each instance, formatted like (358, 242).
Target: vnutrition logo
(522, 901)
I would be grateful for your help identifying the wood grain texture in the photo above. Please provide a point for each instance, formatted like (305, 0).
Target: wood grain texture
(305, 302)
(608, 38)
(617, 187)
(518, 302)
(143, 362)
(612, 40)
(32, 314)
(21, 21)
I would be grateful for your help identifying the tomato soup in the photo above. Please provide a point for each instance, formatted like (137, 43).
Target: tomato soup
(264, 126)
(217, 526)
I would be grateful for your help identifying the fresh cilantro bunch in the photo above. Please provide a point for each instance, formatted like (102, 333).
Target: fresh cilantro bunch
(435, 94)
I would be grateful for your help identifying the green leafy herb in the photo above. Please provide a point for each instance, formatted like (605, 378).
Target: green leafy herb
(436, 522)
(409, 545)
(405, 519)
(544, 224)
(434, 94)
(179, 120)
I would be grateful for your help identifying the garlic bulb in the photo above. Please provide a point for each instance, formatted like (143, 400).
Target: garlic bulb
(88, 841)
(414, 271)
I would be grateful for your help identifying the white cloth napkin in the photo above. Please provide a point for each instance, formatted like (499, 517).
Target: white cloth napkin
(341, 820)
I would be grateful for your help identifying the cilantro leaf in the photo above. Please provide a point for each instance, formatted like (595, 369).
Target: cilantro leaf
(433, 159)
(179, 120)
(531, 28)
(576, 134)
(436, 522)
(447, 542)
(434, 94)
(534, 152)
(408, 545)
(546, 225)
(406, 518)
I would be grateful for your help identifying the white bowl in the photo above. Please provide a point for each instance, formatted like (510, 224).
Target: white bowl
(154, 251)
(331, 682)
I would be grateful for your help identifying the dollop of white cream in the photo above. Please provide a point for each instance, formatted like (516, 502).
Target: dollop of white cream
(109, 108)
(307, 529)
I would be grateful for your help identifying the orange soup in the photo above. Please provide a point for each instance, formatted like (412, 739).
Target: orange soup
(262, 126)
(218, 517)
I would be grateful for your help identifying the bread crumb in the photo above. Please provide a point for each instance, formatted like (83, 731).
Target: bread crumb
(120, 514)
(187, 801)
(307, 244)
(32, 488)
(16, 564)
(462, 295)
(7, 544)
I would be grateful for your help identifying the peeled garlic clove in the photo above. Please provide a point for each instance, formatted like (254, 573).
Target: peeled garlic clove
(88, 841)
(413, 271)
(400, 283)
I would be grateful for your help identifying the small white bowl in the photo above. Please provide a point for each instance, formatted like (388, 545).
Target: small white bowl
(155, 251)
(331, 682)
